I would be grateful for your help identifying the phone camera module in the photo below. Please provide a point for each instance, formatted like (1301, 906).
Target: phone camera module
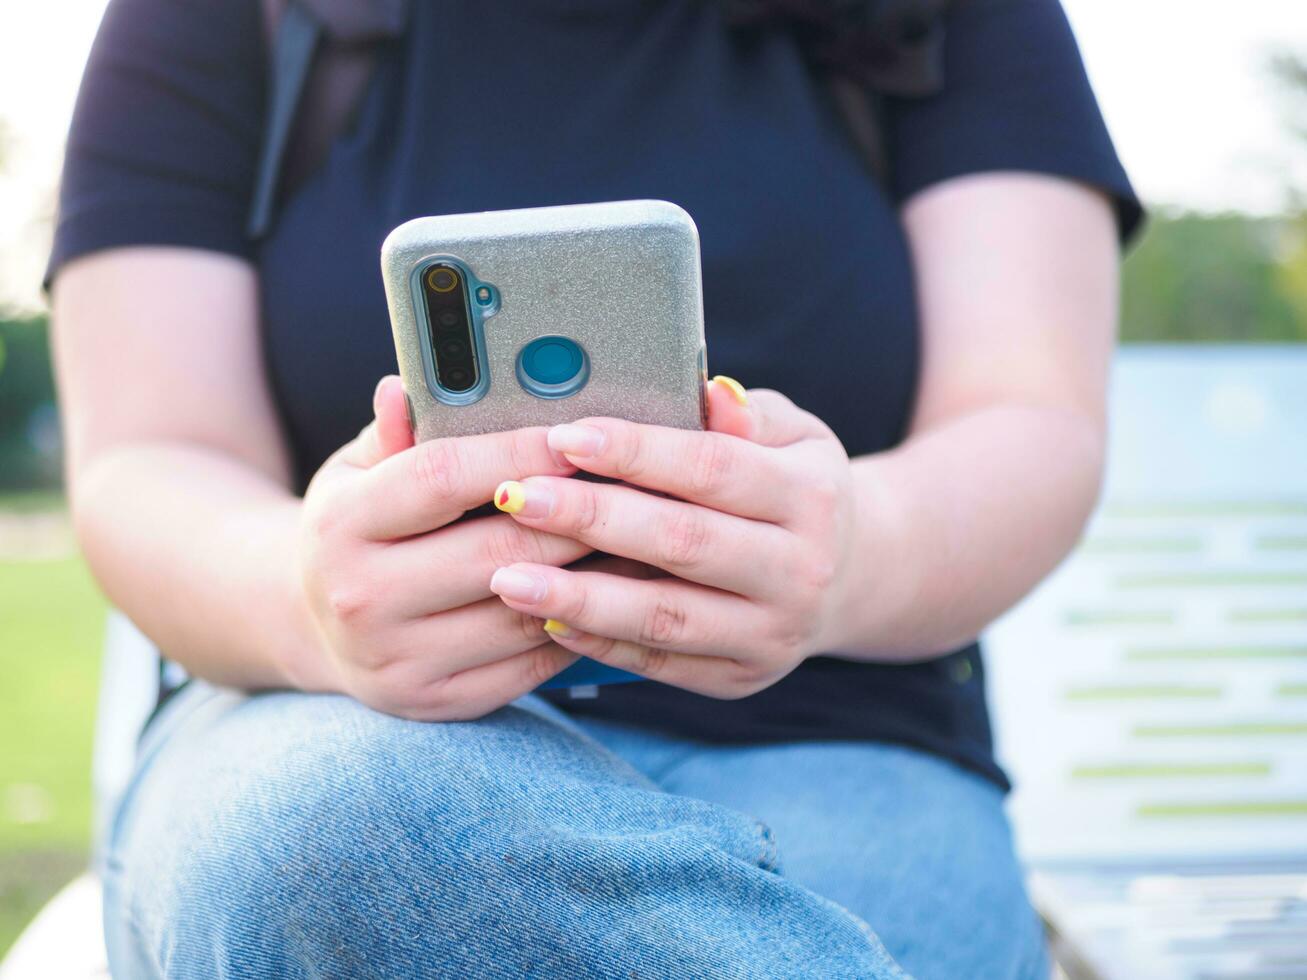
(451, 330)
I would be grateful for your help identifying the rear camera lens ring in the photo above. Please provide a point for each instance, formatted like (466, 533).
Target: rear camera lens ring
(442, 279)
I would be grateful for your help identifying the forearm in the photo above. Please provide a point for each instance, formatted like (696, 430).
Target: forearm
(199, 550)
(960, 522)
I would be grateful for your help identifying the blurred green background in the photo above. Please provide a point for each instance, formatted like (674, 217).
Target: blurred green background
(1192, 278)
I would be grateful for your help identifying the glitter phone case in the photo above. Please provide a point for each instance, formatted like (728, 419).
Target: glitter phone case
(611, 289)
(590, 309)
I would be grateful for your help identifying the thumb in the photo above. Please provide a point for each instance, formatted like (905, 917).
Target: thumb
(387, 434)
(390, 406)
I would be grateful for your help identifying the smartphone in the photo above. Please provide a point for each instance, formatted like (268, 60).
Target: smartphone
(507, 319)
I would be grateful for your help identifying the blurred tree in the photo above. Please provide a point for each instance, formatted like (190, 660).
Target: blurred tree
(1290, 71)
(1291, 270)
(1202, 277)
(29, 431)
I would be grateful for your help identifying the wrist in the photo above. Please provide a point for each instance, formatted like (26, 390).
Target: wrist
(301, 654)
(296, 648)
(878, 575)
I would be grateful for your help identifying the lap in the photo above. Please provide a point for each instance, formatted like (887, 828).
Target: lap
(292, 835)
(918, 848)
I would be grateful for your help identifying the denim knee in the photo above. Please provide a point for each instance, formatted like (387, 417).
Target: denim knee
(309, 836)
(341, 836)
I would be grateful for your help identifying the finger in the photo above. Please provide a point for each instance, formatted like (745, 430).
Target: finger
(665, 613)
(473, 635)
(687, 540)
(728, 408)
(709, 676)
(777, 421)
(719, 471)
(433, 483)
(388, 432)
(476, 692)
(451, 567)
(763, 416)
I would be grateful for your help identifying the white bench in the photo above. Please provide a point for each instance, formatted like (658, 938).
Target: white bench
(1150, 698)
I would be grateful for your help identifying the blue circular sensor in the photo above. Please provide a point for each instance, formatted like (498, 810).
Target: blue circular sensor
(552, 367)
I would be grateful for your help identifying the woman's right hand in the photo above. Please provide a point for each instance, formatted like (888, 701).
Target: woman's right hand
(399, 594)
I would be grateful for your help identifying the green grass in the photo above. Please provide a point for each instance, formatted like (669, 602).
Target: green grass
(31, 501)
(51, 624)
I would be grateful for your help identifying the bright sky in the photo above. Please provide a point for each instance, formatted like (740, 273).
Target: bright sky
(1183, 85)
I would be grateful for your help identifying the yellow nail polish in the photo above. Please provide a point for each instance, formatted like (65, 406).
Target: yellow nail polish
(734, 387)
(510, 497)
(555, 628)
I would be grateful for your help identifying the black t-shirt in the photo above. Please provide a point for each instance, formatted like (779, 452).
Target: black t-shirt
(502, 105)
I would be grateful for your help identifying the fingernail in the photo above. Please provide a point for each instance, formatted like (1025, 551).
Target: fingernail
(555, 628)
(527, 499)
(520, 586)
(577, 440)
(734, 387)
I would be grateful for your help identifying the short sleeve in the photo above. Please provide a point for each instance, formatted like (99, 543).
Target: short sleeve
(1015, 97)
(166, 130)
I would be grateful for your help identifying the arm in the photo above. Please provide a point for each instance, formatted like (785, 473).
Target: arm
(783, 547)
(178, 479)
(1017, 289)
(176, 470)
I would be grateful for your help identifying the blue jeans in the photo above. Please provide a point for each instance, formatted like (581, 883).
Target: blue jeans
(293, 835)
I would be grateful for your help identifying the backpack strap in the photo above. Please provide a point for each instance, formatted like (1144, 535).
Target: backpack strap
(321, 57)
(859, 107)
(294, 45)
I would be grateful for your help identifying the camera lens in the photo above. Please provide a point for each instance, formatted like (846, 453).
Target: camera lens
(459, 378)
(449, 319)
(442, 279)
(453, 349)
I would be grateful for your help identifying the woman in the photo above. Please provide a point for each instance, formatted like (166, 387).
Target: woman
(804, 786)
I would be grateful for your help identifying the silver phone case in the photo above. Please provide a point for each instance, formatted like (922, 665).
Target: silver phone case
(621, 279)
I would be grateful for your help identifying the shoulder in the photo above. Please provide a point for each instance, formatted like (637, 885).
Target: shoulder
(166, 129)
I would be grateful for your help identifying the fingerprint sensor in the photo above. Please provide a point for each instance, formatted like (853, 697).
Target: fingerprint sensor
(552, 367)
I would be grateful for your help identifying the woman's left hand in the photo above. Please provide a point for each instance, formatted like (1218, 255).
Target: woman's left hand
(755, 543)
